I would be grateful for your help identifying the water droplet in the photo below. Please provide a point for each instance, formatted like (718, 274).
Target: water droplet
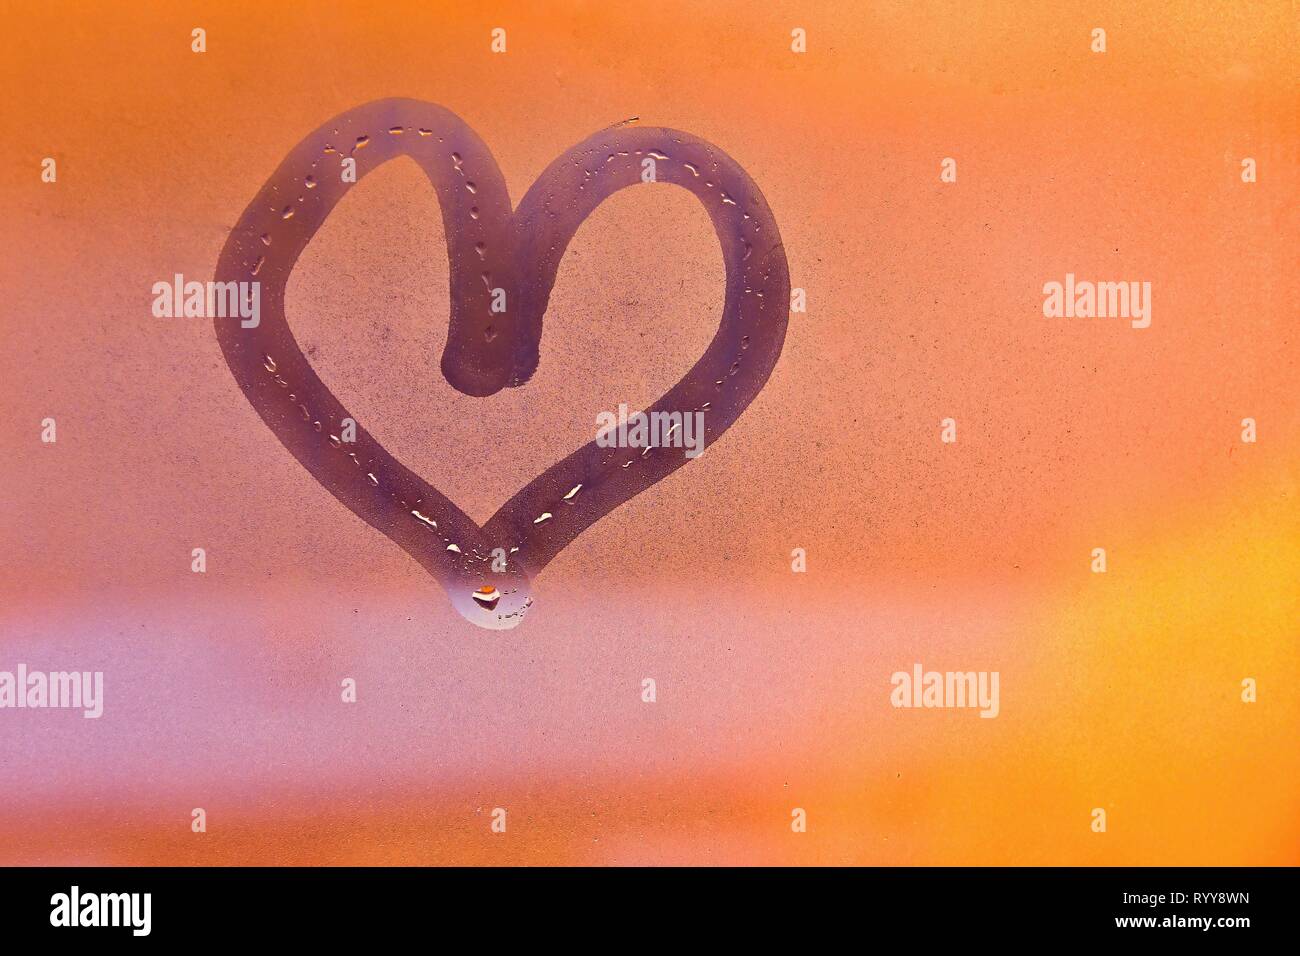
(573, 492)
(257, 266)
(269, 364)
(311, 183)
(334, 440)
(425, 132)
(362, 143)
(429, 521)
(395, 131)
(454, 547)
(266, 238)
(471, 187)
(373, 479)
(691, 167)
(473, 212)
(286, 212)
(545, 516)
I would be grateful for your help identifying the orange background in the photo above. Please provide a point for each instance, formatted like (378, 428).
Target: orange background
(924, 302)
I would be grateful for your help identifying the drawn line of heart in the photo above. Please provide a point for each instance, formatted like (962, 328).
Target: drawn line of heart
(490, 245)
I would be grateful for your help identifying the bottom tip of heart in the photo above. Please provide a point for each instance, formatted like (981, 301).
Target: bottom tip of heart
(488, 608)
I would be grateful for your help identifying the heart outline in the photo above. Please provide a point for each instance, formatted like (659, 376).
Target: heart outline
(485, 351)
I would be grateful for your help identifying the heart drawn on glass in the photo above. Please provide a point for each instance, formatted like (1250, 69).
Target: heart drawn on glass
(503, 262)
